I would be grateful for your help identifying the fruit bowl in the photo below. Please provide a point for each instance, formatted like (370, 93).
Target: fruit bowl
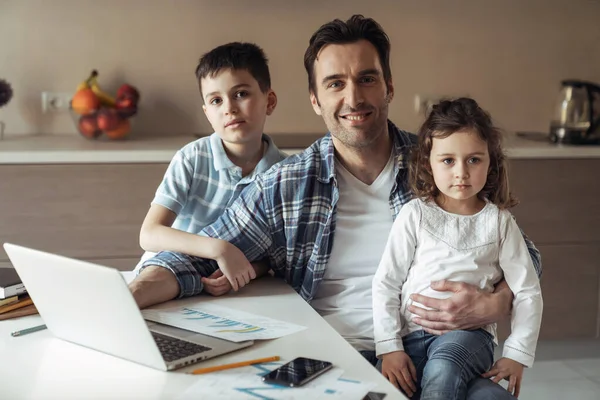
(97, 113)
(108, 122)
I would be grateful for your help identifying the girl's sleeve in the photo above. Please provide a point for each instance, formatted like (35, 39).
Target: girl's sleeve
(390, 276)
(520, 275)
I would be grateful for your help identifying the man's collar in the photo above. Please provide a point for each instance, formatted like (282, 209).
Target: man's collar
(401, 143)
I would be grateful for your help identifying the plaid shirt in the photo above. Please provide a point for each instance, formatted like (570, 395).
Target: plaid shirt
(287, 216)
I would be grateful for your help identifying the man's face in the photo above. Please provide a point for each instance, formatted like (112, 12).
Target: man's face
(351, 93)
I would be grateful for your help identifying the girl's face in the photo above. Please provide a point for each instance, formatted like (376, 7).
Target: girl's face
(460, 164)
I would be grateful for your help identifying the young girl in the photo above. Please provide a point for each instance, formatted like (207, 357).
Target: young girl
(457, 228)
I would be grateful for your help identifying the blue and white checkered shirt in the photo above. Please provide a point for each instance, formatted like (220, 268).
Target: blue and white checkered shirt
(201, 182)
(287, 216)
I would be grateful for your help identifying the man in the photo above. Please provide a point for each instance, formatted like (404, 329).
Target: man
(321, 218)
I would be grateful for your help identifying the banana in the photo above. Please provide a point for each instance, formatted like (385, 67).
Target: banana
(105, 98)
(83, 85)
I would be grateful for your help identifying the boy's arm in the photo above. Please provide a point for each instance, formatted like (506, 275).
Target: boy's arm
(244, 225)
(521, 276)
(157, 235)
(389, 278)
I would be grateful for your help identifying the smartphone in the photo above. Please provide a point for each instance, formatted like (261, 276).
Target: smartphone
(374, 396)
(297, 372)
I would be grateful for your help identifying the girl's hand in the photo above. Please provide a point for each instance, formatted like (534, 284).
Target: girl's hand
(508, 369)
(399, 369)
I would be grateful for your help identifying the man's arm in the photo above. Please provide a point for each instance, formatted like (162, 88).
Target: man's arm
(244, 225)
(468, 307)
(534, 253)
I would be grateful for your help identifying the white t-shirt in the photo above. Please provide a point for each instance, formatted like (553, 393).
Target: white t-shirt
(363, 221)
(429, 244)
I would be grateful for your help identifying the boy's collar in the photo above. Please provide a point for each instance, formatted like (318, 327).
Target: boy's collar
(221, 160)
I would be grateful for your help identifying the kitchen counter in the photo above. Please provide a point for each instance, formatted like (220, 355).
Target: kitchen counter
(69, 149)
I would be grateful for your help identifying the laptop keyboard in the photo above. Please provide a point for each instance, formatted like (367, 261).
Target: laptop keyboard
(173, 349)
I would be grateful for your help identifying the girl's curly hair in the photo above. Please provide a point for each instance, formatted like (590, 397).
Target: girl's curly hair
(446, 118)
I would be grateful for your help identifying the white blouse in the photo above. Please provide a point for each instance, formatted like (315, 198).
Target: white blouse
(428, 244)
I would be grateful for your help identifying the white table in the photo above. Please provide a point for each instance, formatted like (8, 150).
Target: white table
(39, 366)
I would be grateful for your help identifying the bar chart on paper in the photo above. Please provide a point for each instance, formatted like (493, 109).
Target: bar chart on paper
(222, 322)
(246, 383)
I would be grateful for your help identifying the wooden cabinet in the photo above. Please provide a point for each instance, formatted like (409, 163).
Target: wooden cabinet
(570, 287)
(122, 264)
(86, 211)
(560, 199)
(560, 212)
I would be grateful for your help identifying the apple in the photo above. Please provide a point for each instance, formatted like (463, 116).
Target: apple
(88, 126)
(125, 102)
(127, 112)
(121, 131)
(107, 119)
(127, 90)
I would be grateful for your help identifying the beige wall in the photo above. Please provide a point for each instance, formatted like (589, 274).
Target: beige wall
(508, 54)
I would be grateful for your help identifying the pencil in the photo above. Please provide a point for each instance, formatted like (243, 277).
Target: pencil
(234, 365)
(28, 330)
(13, 306)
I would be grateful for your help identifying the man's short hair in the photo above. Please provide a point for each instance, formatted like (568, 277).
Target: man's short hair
(356, 28)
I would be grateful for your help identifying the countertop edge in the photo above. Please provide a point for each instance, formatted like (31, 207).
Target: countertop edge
(64, 149)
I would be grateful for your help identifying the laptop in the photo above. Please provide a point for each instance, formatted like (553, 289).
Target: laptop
(91, 305)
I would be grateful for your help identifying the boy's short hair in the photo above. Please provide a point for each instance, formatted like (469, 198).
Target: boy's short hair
(236, 55)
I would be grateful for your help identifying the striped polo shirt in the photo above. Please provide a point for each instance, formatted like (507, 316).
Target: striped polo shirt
(201, 182)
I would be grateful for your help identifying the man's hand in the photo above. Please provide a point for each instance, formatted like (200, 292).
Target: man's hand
(508, 369)
(467, 308)
(235, 266)
(399, 369)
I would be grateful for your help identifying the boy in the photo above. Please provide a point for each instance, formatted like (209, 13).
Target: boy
(208, 174)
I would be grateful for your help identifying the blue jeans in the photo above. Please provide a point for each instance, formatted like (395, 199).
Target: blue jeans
(449, 366)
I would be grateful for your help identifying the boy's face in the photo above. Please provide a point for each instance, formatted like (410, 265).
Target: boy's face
(235, 106)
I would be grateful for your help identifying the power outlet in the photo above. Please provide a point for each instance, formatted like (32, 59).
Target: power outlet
(55, 101)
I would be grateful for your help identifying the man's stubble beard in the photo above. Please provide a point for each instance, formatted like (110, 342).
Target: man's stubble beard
(348, 137)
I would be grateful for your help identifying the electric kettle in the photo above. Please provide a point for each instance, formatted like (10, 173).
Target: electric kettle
(577, 114)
